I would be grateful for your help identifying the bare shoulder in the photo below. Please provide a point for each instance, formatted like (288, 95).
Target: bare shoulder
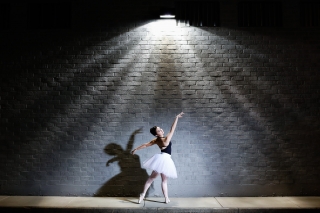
(153, 141)
(162, 142)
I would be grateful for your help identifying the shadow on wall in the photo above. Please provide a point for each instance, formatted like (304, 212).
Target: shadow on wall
(131, 180)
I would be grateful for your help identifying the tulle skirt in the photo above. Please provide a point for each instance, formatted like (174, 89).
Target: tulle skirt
(162, 163)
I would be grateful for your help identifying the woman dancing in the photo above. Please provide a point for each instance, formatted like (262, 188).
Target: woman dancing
(160, 163)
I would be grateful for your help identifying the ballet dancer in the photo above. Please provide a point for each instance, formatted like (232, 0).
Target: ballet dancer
(160, 163)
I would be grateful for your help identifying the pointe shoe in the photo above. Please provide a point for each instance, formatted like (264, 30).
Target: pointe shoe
(167, 200)
(141, 198)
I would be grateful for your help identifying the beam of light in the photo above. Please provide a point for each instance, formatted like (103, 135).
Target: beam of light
(231, 91)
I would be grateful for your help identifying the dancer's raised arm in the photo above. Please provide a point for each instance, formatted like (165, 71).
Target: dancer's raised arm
(173, 127)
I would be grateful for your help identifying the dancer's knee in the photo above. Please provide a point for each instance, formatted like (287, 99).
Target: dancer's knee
(150, 179)
(164, 178)
(153, 176)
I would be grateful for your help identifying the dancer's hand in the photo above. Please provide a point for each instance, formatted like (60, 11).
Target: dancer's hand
(133, 151)
(180, 115)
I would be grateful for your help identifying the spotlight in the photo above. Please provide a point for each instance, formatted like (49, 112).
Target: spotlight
(167, 13)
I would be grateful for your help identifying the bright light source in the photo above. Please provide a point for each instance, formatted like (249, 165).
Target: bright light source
(167, 16)
(167, 12)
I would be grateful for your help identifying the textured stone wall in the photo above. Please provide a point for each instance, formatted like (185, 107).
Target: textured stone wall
(74, 102)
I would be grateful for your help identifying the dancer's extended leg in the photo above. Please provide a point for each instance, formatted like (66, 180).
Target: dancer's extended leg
(148, 183)
(164, 185)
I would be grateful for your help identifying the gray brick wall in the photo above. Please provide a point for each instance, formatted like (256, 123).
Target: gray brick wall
(75, 102)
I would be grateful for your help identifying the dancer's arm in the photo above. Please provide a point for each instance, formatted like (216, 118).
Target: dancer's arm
(173, 127)
(145, 145)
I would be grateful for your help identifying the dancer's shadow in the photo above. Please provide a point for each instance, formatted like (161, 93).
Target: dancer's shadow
(131, 180)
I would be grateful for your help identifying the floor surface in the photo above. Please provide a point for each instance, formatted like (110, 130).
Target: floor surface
(131, 203)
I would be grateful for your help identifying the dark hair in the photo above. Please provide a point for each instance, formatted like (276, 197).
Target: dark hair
(153, 130)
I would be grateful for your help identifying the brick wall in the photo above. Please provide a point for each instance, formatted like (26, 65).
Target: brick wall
(74, 102)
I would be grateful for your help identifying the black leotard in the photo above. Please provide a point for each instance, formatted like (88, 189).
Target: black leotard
(167, 149)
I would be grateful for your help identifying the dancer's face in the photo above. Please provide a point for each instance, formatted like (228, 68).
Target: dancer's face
(159, 132)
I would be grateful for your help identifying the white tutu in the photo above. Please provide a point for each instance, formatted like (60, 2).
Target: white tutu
(162, 163)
